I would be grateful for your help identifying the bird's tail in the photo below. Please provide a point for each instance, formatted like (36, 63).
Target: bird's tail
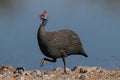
(85, 55)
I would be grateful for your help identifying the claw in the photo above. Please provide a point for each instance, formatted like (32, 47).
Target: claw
(43, 62)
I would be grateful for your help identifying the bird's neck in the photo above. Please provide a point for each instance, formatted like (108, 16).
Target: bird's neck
(42, 33)
(42, 28)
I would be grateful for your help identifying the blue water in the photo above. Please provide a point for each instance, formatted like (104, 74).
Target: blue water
(97, 22)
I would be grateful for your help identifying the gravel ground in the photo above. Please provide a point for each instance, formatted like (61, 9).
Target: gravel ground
(77, 73)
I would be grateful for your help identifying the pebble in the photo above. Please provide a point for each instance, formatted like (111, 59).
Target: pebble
(82, 70)
(22, 78)
(36, 72)
(82, 77)
(1, 75)
(78, 73)
(57, 69)
(52, 75)
(20, 70)
(46, 76)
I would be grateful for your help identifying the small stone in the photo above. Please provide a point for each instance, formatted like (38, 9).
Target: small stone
(68, 79)
(5, 74)
(36, 73)
(76, 68)
(19, 70)
(73, 78)
(82, 71)
(57, 69)
(91, 69)
(95, 68)
(26, 73)
(1, 75)
(82, 77)
(7, 77)
(46, 77)
(67, 69)
(52, 75)
(22, 78)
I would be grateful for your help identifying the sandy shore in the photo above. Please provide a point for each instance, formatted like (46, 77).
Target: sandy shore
(77, 73)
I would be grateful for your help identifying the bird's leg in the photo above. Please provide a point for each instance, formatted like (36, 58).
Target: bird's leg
(44, 60)
(64, 61)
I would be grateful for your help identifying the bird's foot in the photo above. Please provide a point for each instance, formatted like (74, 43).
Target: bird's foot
(65, 72)
(43, 62)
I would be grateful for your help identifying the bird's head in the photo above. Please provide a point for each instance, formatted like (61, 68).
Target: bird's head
(43, 16)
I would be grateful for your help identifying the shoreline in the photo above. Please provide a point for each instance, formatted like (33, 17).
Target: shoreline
(77, 73)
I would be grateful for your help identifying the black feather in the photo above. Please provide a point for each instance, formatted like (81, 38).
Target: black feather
(59, 44)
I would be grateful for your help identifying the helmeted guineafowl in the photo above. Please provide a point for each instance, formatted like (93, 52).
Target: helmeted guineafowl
(58, 44)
